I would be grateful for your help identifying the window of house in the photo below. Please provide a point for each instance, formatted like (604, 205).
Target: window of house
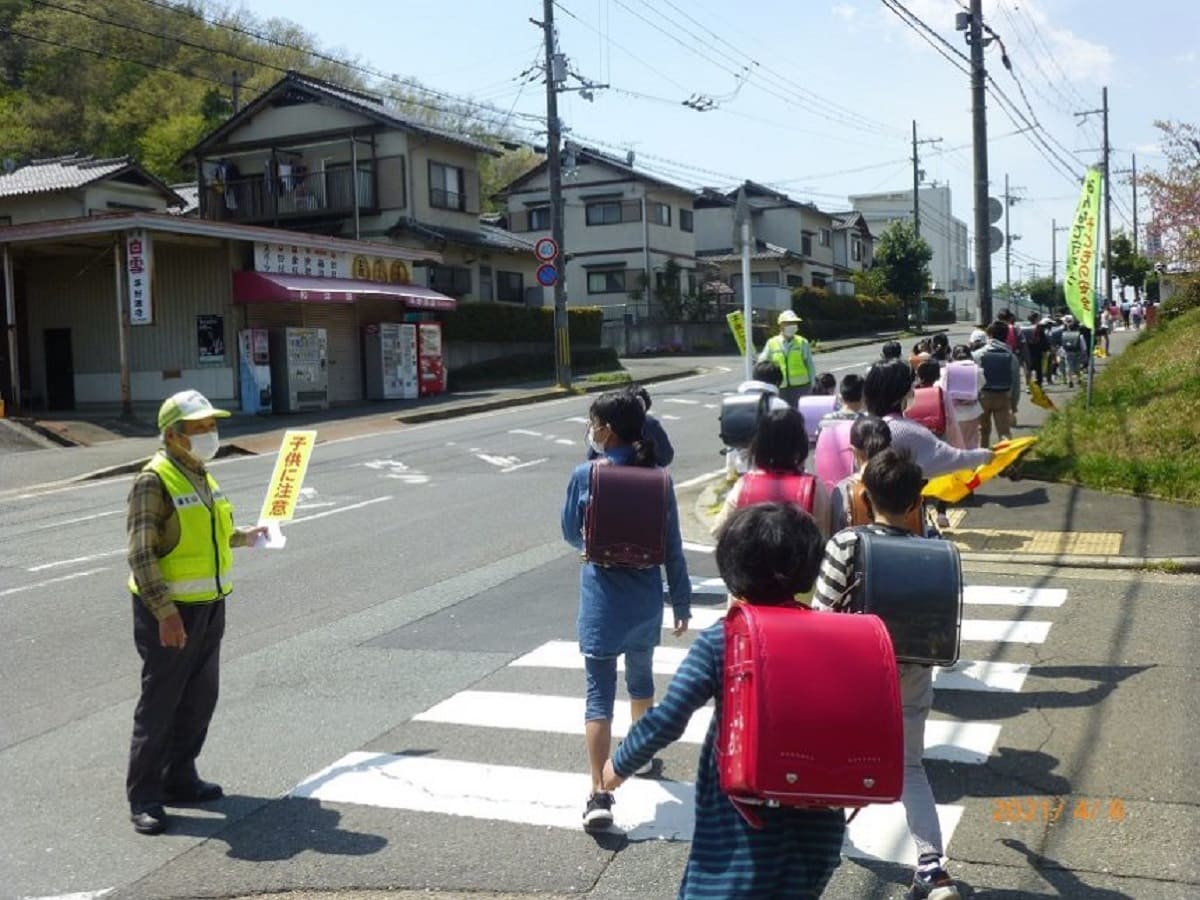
(539, 218)
(795, 281)
(613, 212)
(686, 220)
(510, 287)
(660, 213)
(446, 187)
(856, 250)
(826, 237)
(764, 278)
(454, 281)
(819, 279)
(806, 244)
(606, 281)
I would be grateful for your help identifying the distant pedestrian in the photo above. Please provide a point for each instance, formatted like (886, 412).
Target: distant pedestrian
(1036, 344)
(766, 554)
(1074, 350)
(825, 385)
(1135, 315)
(1001, 385)
(1126, 307)
(890, 350)
(766, 380)
(180, 536)
(620, 608)
(941, 347)
(790, 351)
(964, 393)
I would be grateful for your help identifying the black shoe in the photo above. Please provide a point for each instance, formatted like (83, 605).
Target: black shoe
(199, 791)
(598, 814)
(148, 818)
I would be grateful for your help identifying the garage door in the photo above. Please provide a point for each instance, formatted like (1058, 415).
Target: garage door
(340, 322)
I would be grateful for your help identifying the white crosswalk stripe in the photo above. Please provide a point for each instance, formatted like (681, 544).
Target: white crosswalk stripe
(659, 809)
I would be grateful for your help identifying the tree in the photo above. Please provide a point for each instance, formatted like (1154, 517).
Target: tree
(870, 282)
(496, 172)
(904, 258)
(1175, 195)
(1132, 268)
(1046, 292)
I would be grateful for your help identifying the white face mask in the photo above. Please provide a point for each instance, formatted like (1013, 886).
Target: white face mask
(790, 330)
(596, 446)
(204, 446)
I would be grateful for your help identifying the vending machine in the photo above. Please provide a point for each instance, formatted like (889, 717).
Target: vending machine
(299, 372)
(254, 363)
(431, 366)
(390, 361)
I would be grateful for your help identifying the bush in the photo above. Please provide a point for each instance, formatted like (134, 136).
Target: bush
(530, 367)
(510, 324)
(1183, 300)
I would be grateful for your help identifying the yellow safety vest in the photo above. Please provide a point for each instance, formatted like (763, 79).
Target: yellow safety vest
(791, 363)
(197, 569)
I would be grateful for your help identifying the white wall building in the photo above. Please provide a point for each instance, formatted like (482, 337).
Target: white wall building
(946, 235)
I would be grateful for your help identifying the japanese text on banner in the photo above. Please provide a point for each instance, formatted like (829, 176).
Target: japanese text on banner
(1080, 284)
(290, 467)
(737, 324)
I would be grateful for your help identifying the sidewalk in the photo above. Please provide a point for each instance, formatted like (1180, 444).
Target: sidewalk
(1044, 523)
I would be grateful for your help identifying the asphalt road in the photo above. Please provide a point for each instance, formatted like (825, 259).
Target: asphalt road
(420, 566)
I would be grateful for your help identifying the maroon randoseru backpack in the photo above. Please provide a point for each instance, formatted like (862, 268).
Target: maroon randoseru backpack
(626, 520)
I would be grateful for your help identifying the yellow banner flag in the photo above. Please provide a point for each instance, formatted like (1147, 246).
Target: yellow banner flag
(737, 324)
(290, 467)
(1080, 282)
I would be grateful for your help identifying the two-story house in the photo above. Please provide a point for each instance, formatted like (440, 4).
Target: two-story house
(308, 155)
(627, 233)
(853, 249)
(793, 243)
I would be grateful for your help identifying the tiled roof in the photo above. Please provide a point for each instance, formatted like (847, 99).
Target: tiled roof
(487, 236)
(762, 251)
(60, 173)
(190, 193)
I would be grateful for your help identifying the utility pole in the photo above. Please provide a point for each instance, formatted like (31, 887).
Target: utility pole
(236, 85)
(916, 161)
(1009, 200)
(555, 76)
(983, 258)
(1055, 228)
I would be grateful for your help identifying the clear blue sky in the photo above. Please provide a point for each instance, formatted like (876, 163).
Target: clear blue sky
(833, 86)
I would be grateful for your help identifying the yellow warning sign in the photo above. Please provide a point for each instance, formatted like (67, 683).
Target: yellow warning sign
(290, 467)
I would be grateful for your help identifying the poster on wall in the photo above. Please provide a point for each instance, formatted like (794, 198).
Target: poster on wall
(317, 262)
(139, 267)
(210, 338)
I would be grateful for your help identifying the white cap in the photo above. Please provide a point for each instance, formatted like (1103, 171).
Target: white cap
(979, 336)
(187, 406)
(788, 317)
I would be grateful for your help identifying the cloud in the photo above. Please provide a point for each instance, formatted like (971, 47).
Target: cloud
(844, 11)
(1185, 59)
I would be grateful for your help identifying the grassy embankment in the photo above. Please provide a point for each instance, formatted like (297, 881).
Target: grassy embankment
(1142, 433)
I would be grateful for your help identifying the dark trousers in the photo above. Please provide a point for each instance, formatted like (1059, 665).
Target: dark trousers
(179, 694)
(1037, 362)
(791, 395)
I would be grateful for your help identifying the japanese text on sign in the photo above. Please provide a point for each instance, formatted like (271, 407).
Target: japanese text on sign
(290, 468)
(139, 267)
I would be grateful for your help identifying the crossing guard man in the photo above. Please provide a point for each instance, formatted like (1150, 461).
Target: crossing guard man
(791, 352)
(180, 533)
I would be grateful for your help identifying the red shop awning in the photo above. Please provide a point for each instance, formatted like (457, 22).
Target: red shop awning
(262, 287)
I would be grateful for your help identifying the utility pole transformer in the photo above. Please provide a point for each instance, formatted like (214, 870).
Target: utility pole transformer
(562, 339)
(983, 259)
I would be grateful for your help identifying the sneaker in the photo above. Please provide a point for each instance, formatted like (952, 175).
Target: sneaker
(943, 520)
(598, 814)
(933, 884)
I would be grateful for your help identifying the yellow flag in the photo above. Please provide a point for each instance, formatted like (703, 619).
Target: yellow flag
(954, 486)
(737, 324)
(1080, 282)
(290, 467)
(1039, 397)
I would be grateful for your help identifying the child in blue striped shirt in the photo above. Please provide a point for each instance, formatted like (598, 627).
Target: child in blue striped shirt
(767, 553)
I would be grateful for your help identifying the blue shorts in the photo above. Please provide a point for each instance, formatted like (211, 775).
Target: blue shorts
(602, 681)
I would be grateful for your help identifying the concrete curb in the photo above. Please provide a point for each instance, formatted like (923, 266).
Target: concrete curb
(30, 432)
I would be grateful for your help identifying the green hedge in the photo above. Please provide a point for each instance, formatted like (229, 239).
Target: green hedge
(817, 304)
(1183, 300)
(511, 324)
(530, 367)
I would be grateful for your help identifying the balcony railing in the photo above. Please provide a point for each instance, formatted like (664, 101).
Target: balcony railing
(257, 198)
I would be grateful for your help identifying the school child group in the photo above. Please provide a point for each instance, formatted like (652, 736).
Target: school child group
(788, 542)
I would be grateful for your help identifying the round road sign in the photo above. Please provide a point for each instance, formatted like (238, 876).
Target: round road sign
(547, 275)
(545, 249)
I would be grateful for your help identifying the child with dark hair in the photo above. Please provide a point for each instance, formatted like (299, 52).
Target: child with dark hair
(869, 435)
(766, 554)
(652, 432)
(893, 482)
(620, 608)
(887, 390)
(825, 385)
(891, 350)
(777, 454)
